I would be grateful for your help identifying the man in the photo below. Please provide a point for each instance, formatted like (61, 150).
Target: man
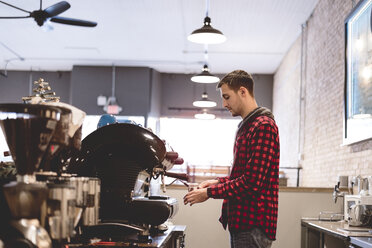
(106, 119)
(250, 193)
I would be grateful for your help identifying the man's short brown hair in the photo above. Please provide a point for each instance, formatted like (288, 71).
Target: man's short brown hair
(237, 79)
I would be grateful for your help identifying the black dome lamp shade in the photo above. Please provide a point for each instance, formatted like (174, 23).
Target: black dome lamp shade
(207, 34)
(204, 102)
(205, 76)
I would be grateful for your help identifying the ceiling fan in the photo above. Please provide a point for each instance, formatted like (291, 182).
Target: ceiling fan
(51, 13)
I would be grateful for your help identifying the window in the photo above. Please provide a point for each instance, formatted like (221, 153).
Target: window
(358, 80)
(201, 142)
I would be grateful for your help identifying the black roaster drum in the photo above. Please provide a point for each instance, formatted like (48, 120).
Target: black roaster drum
(116, 154)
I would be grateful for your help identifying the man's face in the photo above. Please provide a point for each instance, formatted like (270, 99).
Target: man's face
(231, 100)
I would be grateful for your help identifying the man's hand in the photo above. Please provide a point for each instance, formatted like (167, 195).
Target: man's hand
(207, 183)
(195, 196)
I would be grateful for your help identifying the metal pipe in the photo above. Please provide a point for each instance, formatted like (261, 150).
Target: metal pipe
(113, 81)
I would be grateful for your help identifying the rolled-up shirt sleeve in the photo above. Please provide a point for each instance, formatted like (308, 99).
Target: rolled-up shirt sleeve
(222, 179)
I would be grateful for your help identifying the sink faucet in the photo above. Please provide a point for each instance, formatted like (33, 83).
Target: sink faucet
(337, 193)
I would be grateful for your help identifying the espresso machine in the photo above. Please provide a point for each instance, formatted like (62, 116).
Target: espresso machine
(126, 157)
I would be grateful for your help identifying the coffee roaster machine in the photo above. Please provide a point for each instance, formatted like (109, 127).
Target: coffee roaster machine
(126, 157)
(91, 193)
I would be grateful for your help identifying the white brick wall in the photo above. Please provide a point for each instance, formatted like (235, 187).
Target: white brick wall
(324, 157)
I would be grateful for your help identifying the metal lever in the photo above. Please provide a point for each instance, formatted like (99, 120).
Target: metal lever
(181, 176)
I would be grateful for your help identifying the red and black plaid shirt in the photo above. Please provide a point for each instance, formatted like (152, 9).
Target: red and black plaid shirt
(250, 193)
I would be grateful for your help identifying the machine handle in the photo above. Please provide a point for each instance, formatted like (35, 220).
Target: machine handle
(178, 161)
(181, 176)
(171, 155)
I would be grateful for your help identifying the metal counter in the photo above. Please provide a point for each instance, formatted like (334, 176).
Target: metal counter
(174, 237)
(314, 234)
(364, 242)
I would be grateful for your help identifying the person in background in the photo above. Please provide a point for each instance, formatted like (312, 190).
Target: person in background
(105, 120)
(250, 192)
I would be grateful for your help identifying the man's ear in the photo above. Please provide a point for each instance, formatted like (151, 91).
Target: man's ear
(243, 91)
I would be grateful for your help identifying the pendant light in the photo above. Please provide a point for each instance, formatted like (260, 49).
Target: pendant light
(204, 102)
(207, 34)
(205, 77)
(112, 106)
(205, 115)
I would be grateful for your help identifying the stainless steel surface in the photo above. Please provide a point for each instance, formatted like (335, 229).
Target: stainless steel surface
(363, 185)
(337, 193)
(341, 228)
(360, 185)
(130, 226)
(355, 215)
(363, 242)
(140, 183)
(26, 178)
(172, 237)
(358, 210)
(170, 204)
(360, 215)
(91, 212)
(61, 211)
(32, 231)
(25, 199)
(81, 185)
(330, 216)
(97, 199)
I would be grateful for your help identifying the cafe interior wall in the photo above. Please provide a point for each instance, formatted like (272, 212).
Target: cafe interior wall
(139, 90)
(308, 100)
(20, 83)
(81, 87)
(179, 93)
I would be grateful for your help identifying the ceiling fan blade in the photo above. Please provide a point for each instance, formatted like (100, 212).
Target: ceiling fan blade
(57, 9)
(71, 21)
(14, 17)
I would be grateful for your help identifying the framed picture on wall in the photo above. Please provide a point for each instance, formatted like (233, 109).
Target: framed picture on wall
(358, 74)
